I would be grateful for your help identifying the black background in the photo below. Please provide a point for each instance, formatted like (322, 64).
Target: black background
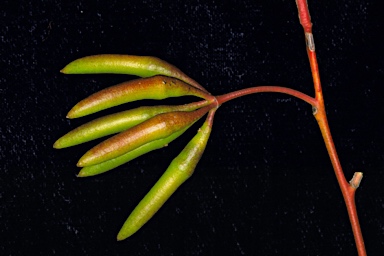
(264, 186)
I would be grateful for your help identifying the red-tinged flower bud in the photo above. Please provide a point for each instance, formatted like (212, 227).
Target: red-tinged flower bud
(157, 88)
(160, 126)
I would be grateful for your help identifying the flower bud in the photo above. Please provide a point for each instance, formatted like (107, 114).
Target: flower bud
(157, 127)
(157, 88)
(180, 169)
(143, 66)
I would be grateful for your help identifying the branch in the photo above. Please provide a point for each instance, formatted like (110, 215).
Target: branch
(236, 94)
(348, 190)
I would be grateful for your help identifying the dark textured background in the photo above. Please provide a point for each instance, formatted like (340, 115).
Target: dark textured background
(264, 186)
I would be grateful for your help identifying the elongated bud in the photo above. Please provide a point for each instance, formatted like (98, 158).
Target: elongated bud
(143, 66)
(157, 127)
(118, 122)
(125, 158)
(157, 88)
(180, 169)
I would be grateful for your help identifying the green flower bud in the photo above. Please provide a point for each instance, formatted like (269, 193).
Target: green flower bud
(143, 66)
(118, 122)
(180, 169)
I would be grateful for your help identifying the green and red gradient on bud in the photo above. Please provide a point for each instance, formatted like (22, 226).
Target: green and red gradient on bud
(140, 130)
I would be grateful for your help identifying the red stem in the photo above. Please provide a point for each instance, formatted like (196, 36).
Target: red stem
(232, 95)
(348, 190)
(304, 17)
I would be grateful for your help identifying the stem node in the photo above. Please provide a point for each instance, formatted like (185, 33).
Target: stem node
(356, 179)
(314, 110)
(310, 41)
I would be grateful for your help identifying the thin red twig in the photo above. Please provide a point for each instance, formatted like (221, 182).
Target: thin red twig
(348, 190)
(232, 95)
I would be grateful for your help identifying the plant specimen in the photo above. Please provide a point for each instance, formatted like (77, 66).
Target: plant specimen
(144, 129)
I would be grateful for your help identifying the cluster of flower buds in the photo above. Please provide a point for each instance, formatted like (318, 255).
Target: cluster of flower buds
(140, 130)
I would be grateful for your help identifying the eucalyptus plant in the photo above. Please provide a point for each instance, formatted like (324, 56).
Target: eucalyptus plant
(147, 128)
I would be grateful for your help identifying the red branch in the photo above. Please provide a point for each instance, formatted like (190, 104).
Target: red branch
(232, 95)
(348, 190)
(304, 17)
